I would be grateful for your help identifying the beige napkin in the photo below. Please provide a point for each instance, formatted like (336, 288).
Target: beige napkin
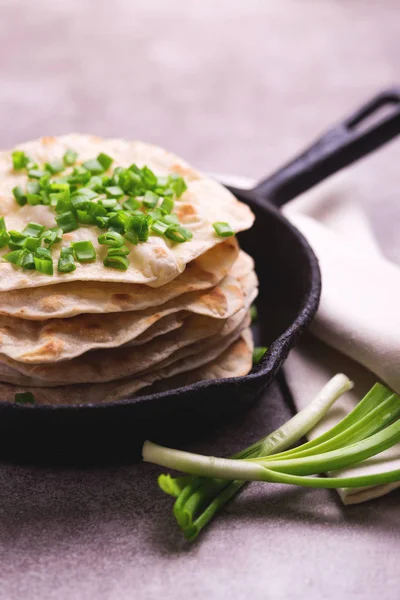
(357, 327)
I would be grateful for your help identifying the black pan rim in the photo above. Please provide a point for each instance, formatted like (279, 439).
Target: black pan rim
(269, 364)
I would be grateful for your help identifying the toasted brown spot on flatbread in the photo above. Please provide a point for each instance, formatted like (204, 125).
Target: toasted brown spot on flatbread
(51, 303)
(183, 171)
(51, 348)
(187, 213)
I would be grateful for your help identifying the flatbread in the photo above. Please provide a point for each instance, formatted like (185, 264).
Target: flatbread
(237, 361)
(233, 357)
(66, 300)
(155, 262)
(38, 342)
(108, 365)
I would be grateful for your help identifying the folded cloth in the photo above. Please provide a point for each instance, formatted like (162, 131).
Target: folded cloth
(357, 327)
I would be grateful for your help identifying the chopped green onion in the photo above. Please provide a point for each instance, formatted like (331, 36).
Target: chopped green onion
(101, 222)
(114, 191)
(52, 236)
(33, 187)
(43, 264)
(28, 260)
(109, 203)
(79, 176)
(20, 160)
(118, 251)
(138, 227)
(96, 184)
(24, 398)
(16, 240)
(34, 199)
(223, 229)
(148, 177)
(3, 224)
(171, 219)
(33, 230)
(4, 238)
(150, 199)
(178, 234)
(36, 173)
(159, 227)
(82, 197)
(67, 221)
(14, 257)
(258, 353)
(93, 166)
(70, 157)
(56, 166)
(84, 251)
(31, 243)
(105, 161)
(116, 262)
(111, 238)
(19, 195)
(66, 262)
(167, 205)
(177, 184)
(131, 204)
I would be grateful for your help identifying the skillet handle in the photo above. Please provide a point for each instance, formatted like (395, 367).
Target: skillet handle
(340, 146)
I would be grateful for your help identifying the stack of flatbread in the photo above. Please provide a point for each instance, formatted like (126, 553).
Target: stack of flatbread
(179, 313)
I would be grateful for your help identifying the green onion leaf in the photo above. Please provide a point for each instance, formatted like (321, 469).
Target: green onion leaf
(24, 398)
(3, 224)
(116, 262)
(19, 195)
(178, 234)
(67, 221)
(258, 353)
(66, 262)
(111, 238)
(33, 230)
(70, 157)
(223, 229)
(84, 251)
(20, 160)
(33, 187)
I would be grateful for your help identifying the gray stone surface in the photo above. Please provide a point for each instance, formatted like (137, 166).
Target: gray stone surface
(234, 87)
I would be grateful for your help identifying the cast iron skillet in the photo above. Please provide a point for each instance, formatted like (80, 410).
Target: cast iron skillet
(290, 286)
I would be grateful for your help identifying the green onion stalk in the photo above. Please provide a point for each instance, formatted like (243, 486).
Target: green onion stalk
(372, 427)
